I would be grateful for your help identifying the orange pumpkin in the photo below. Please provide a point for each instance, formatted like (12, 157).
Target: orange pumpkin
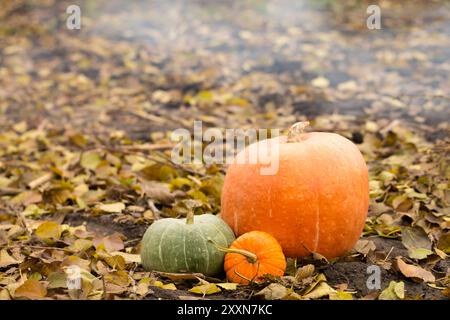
(317, 201)
(252, 256)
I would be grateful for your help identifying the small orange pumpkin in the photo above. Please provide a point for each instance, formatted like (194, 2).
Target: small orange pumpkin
(253, 255)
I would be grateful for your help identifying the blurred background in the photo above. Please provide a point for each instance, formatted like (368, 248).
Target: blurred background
(230, 63)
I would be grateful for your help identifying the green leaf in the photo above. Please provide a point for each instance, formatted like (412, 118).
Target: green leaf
(57, 280)
(419, 253)
(33, 210)
(417, 242)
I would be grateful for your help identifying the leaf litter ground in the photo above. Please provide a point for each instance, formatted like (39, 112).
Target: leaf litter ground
(86, 118)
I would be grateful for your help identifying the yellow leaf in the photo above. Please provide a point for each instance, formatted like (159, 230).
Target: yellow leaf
(90, 160)
(80, 245)
(116, 207)
(395, 291)
(205, 289)
(169, 286)
(157, 283)
(116, 262)
(119, 278)
(31, 289)
(341, 295)
(228, 286)
(129, 257)
(48, 231)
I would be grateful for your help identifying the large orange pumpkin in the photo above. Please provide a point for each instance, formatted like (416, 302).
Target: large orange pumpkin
(317, 201)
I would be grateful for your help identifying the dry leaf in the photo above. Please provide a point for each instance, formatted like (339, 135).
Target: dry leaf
(304, 272)
(49, 231)
(205, 289)
(116, 207)
(273, 291)
(414, 272)
(6, 259)
(320, 291)
(395, 291)
(227, 285)
(110, 243)
(31, 289)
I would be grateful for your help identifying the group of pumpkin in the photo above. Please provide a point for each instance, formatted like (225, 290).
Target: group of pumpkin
(316, 201)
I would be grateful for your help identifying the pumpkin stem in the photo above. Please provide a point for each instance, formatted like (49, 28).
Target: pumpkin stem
(251, 257)
(190, 217)
(296, 132)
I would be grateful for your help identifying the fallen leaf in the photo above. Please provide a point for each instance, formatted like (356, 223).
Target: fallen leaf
(129, 257)
(395, 291)
(4, 295)
(273, 291)
(6, 259)
(364, 247)
(417, 242)
(31, 289)
(228, 285)
(419, 253)
(57, 280)
(49, 231)
(75, 261)
(158, 191)
(110, 243)
(304, 272)
(414, 272)
(205, 289)
(169, 286)
(80, 245)
(90, 160)
(116, 207)
(320, 291)
(444, 243)
(341, 295)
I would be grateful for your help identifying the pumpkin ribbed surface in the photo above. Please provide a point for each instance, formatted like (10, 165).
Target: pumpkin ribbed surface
(316, 202)
(172, 245)
(269, 258)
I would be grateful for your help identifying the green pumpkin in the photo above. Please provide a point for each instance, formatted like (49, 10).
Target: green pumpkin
(186, 245)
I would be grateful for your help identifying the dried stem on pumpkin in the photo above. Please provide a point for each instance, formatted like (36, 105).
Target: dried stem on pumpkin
(251, 257)
(297, 131)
